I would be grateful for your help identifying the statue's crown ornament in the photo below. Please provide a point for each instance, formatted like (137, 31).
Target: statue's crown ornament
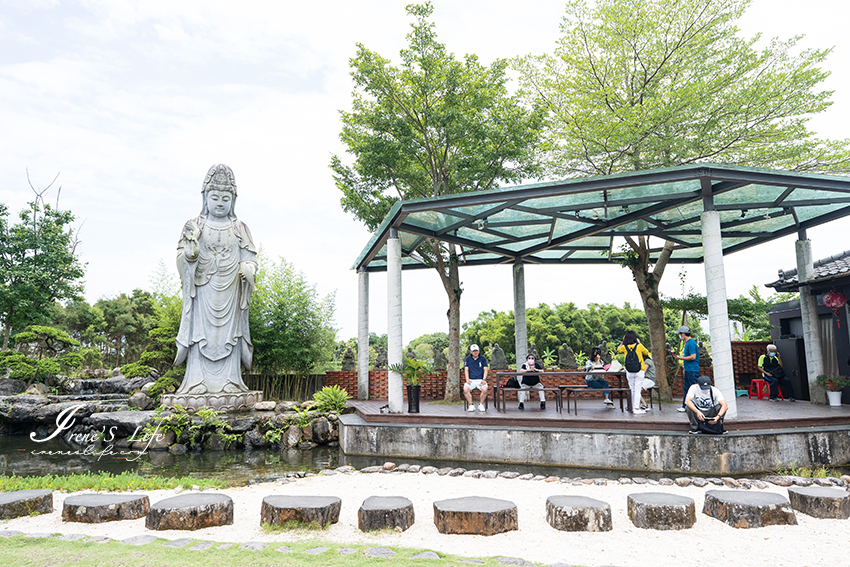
(219, 177)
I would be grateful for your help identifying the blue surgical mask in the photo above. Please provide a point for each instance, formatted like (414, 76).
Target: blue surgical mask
(772, 354)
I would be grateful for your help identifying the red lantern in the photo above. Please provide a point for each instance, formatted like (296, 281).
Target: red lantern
(835, 300)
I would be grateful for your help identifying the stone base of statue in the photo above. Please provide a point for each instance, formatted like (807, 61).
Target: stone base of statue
(221, 401)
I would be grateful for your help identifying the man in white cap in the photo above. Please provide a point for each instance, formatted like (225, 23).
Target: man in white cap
(690, 356)
(475, 370)
(704, 402)
(771, 369)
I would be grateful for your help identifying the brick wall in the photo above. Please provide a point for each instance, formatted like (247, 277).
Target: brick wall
(745, 356)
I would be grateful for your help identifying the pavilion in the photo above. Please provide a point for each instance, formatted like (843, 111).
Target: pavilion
(707, 210)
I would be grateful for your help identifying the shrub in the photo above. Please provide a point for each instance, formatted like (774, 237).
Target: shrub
(330, 398)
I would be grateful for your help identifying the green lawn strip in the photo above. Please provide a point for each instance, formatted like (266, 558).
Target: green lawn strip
(26, 552)
(103, 481)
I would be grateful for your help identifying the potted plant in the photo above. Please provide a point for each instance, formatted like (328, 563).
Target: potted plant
(834, 385)
(412, 372)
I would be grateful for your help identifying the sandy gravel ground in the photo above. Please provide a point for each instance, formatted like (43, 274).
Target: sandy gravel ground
(813, 542)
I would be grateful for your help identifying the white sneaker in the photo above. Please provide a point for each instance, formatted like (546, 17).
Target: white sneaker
(680, 409)
(608, 401)
(481, 407)
(471, 408)
(639, 411)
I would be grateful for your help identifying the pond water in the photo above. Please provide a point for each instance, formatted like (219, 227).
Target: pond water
(23, 457)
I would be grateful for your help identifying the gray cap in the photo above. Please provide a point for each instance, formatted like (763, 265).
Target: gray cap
(704, 382)
(684, 329)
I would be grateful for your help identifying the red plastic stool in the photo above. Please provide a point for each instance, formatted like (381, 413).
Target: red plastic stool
(759, 387)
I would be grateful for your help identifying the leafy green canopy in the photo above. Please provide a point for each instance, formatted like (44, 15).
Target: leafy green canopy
(581, 329)
(638, 85)
(38, 265)
(291, 326)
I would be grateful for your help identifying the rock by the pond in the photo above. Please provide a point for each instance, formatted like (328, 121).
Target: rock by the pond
(178, 449)
(475, 515)
(10, 387)
(190, 512)
(277, 510)
(380, 512)
(121, 385)
(661, 511)
(748, 509)
(265, 406)
(125, 422)
(25, 503)
(97, 508)
(140, 400)
(578, 514)
(820, 502)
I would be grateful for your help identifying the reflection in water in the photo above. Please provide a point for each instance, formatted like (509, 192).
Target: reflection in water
(242, 467)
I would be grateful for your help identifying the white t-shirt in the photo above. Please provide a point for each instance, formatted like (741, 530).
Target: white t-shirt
(702, 398)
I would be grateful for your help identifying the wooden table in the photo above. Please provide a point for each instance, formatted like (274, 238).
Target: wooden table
(499, 394)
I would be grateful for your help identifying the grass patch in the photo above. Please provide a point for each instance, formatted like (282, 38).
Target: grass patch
(805, 472)
(103, 481)
(293, 526)
(24, 552)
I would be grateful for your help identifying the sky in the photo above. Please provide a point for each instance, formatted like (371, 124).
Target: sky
(131, 102)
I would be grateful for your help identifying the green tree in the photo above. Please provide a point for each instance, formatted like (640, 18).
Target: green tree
(638, 85)
(127, 322)
(291, 326)
(434, 126)
(426, 346)
(42, 352)
(38, 264)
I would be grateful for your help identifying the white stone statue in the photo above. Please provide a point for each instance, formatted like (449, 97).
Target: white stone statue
(217, 261)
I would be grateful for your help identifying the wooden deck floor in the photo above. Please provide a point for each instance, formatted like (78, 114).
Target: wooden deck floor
(592, 413)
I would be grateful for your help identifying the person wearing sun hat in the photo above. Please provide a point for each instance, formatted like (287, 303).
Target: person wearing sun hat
(475, 372)
(704, 402)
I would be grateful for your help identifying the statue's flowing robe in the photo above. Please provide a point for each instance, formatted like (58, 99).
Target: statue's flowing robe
(214, 324)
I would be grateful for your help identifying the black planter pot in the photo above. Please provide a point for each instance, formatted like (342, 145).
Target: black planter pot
(413, 398)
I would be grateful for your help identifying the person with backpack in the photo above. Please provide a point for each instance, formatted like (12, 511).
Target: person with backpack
(635, 353)
(690, 356)
(706, 407)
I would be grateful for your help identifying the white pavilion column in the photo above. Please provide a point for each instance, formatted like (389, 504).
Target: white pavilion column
(718, 312)
(395, 393)
(520, 329)
(811, 323)
(363, 335)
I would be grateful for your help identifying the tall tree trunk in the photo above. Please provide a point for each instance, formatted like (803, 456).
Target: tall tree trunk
(648, 282)
(450, 278)
(6, 332)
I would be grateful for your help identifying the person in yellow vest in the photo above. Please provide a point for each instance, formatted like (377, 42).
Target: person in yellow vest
(635, 353)
(770, 366)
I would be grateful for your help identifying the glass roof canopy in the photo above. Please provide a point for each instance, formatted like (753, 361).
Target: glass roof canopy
(576, 221)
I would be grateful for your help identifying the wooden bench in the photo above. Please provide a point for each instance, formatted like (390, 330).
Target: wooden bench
(570, 390)
(499, 396)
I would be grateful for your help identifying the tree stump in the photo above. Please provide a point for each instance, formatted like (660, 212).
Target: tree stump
(278, 510)
(97, 508)
(748, 509)
(820, 502)
(25, 502)
(578, 514)
(379, 512)
(190, 512)
(475, 515)
(661, 511)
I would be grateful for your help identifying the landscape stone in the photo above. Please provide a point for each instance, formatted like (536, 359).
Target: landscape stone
(293, 436)
(178, 542)
(526, 476)
(39, 535)
(778, 480)
(25, 503)
(140, 540)
(384, 552)
(140, 400)
(474, 473)
(265, 406)
(10, 387)
(36, 390)
(457, 472)
(253, 546)
(321, 430)
(125, 422)
(444, 471)
(748, 509)
(316, 550)
(578, 514)
(426, 555)
(370, 470)
(414, 469)
(277, 510)
(76, 537)
(203, 546)
(820, 502)
(97, 508)
(661, 511)
(283, 549)
(388, 466)
(10, 533)
(683, 481)
(99, 539)
(475, 515)
(121, 385)
(190, 512)
(178, 449)
(513, 561)
(700, 482)
(404, 467)
(380, 512)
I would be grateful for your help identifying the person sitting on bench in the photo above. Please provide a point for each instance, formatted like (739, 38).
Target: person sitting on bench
(595, 363)
(533, 381)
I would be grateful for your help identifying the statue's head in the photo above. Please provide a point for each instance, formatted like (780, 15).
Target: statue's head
(220, 188)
